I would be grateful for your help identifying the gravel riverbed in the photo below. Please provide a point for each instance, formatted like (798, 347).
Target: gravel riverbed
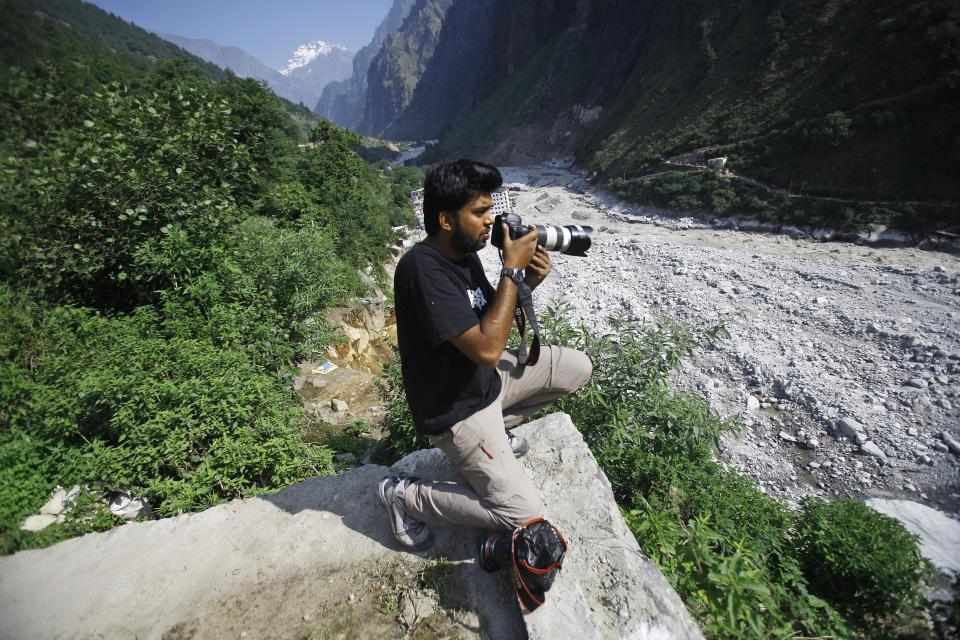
(844, 360)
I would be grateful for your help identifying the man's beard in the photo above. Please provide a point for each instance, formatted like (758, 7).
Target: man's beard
(462, 242)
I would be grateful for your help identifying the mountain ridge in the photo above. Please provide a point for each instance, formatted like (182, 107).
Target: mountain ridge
(342, 102)
(309, 69)
(307, 53)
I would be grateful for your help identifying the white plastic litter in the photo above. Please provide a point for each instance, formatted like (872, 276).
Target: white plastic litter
(128, 506)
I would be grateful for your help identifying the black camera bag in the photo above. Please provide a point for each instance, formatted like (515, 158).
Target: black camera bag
(537, 554)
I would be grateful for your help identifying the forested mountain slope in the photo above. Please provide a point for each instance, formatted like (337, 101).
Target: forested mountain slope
(167, 253)
(34, 30)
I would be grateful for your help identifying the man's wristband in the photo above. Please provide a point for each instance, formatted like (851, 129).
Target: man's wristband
(514, 274)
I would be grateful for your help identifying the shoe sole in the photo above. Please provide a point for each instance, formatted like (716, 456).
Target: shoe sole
(382, 493)
(523, 450)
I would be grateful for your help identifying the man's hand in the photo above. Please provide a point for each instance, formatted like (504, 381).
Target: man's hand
(517, 253)
(483, 343)
(539, 268)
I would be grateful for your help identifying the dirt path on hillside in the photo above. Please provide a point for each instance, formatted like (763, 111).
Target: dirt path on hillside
(844, 361)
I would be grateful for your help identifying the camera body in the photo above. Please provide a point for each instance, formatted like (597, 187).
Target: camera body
(572, 239)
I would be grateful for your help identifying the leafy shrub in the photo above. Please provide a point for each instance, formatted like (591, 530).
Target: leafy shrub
(403, 181)
(834, 128)
(402, 436)
(97, 175)
(864, 562)
(120, 400)
(297, 273)
(288, 202)
(148, 317)
(725, 584)
(351, 191)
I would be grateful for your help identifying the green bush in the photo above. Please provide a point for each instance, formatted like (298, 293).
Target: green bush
(351, 191)
(296, 273)
(864, 562)
(289, 202)
(402, 436)
(180, 421)
(90, 180)
(148, 315)
(726, 585)
(403, 181)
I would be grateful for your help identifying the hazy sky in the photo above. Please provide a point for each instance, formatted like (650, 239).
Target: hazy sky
(270, 30)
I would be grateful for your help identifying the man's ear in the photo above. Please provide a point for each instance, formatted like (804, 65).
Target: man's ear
(447, 220)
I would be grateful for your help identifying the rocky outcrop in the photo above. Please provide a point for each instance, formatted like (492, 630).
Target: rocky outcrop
(318, 558)
(364, 327)
(607, 587)
(939, 535)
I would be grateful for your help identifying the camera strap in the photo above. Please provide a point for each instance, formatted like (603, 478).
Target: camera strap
(523, 313)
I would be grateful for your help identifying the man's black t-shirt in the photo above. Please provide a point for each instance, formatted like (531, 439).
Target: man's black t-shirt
(437, 299)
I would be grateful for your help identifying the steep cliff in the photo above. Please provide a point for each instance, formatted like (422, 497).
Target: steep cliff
(398, 66)
(838, 98)
(342, 102)
(447, 86)
(551, 65)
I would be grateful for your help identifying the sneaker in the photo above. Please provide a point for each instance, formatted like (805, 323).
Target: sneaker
(518, 444)
(408, 531)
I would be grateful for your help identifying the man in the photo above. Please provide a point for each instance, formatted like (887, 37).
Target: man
(463, 389)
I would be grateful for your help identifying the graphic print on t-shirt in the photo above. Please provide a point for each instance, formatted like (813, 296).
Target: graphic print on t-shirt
(477, 299)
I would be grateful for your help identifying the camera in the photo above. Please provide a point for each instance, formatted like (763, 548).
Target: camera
(572, 239)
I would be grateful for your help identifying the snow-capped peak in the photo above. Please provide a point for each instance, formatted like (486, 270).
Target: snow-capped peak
(307, 53)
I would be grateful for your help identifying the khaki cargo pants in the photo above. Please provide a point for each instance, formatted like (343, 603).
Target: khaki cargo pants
(498, 493)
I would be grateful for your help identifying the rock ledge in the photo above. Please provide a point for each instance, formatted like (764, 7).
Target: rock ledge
(313, 555)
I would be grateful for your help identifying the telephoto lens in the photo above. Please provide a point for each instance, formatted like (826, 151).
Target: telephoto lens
(495, 551)
(571, 239)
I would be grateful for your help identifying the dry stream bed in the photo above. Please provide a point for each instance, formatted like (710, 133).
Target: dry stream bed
(844, 360)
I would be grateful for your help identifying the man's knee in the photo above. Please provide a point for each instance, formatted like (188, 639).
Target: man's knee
(513, 516)
(515, 512)
(577, 369)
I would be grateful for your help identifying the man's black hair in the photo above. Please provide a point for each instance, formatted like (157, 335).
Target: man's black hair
(451, 185)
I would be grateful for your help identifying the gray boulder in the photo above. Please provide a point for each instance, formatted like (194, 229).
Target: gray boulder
(607, 587)
(951, 442)
(38, 522)
(849, 428)
(320, 553)
(871, 449)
